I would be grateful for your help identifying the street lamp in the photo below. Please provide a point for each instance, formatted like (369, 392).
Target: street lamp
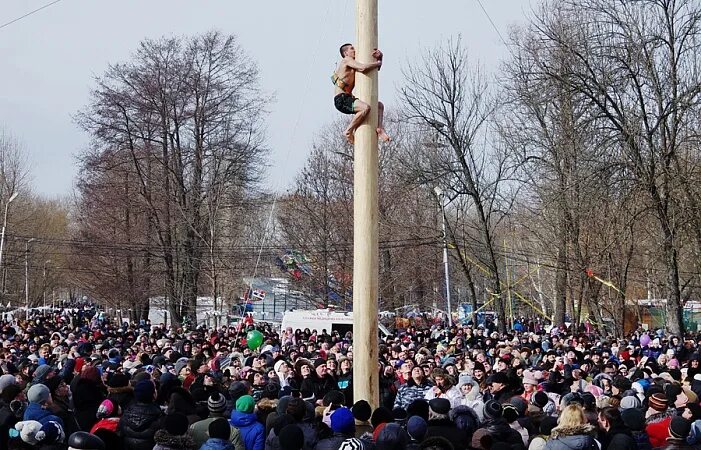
(43, 285)
(2, 237)
(26, 274)
(439, 194)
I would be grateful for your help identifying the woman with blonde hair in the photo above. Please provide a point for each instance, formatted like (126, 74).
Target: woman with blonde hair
(572, 431)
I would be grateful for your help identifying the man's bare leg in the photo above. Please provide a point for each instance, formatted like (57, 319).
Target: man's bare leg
(361, 111)
(381, 133)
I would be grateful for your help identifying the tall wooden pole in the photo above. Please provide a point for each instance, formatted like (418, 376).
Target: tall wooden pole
(365, 222)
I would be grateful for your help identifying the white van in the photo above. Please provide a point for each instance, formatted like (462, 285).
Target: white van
(323, 319)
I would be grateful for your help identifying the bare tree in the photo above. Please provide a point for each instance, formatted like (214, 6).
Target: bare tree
(188, 113)
(444, 94)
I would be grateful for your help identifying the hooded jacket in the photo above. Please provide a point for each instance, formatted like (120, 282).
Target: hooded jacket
(252, 431)
(139, 424)
(217, 444)
(572, 438)
(36, 412)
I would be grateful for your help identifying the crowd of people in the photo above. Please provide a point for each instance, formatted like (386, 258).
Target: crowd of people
(76, 380)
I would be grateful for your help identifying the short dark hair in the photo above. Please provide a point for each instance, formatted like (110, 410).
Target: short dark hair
(343, 48)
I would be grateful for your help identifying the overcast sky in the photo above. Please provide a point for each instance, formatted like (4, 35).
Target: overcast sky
(49, 60)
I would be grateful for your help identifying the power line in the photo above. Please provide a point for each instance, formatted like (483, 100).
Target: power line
(28, 14)
(492, 22)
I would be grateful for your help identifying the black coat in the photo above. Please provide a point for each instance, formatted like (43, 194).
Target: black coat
(139, 424)
(7, 421)
(317, 386)
(618, 438)
(447, 429)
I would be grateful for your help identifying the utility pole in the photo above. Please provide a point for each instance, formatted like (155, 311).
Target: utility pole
(26, 275)
(365, 217)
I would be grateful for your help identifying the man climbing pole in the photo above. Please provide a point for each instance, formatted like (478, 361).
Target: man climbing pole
(344, 80)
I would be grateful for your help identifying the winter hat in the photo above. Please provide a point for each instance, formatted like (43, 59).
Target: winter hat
(418, 407)
(291, 438)
(658, 402)
(539, 399)
(220, 429)
(51, 433)
(238, 389)
(392, 437)
(478, 366)
(81, 440)
(119, 380)
(509, 412)
(28, 430)
(439, 405)
(9, 393)
(245, 404)
(106, 409)
(679, 427)
(351, 444)
(400, 415)
(176, 424)
(179, 364)
(335, 398)
(42, 371)
(144, 390)
(381, 415)
(520, 404)
(492, 410)
(634, 419)
(630, 401)
(528, 378)
(319, 362)
(7, 380)
(416, 427)
(342, 421)
(361, 410)
(499, 377)
(38, 393)
(216, 403)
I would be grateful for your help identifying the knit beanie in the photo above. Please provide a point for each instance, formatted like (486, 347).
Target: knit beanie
(342, 421)
(144, 390)
(176, 424)
(220, 429)
(492, 410)
(634, 419)
(319, 362)
(679, 427)
(291, 438)
(245, 404)
(630, 401)
(539, 399)
(416, 427)
(38, 393)
(216, 403)
(361, 410)
(51, 433)
(658, 402)
(7, 380)
(106, 409)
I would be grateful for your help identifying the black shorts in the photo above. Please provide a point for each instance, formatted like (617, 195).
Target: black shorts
(344, 103)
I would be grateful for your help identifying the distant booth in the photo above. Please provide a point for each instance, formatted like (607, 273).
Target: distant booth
(653, 314)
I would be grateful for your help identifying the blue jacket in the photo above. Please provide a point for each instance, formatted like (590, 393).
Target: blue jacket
(252, 431)
(217, 444)
(34, 411)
